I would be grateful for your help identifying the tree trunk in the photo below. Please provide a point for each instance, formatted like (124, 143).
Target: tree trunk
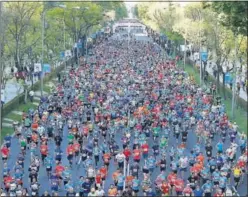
(224, 87)
(219, 71)
(204, 69)
(26, 94)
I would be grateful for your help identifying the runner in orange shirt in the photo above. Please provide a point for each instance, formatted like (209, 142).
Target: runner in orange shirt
(112, 191)
(106, 158)
(103, 171)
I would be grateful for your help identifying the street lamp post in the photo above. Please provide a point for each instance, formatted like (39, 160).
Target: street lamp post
(77, 33)
(42, 45)
(42, 51)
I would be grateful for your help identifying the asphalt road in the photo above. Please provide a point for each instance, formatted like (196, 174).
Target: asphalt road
(80, 171)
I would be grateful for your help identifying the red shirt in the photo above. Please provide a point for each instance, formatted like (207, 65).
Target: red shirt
(5, 152)
(165, 188)
(103, 172)
(7, 180)
(59, 169)
(136, 154)
(76, 147)
(127, 153)
(172, 178)
(98, 179)
(241, 164)
(179, 184)
(70, 150)
(145, 148)
(187, 190)
(43, 149)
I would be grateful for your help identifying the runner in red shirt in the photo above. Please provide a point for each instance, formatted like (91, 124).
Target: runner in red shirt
(5, 153)
(187, 191)
(43, 151)
(136, 155)
(98, 179)
(179, 185)
(145, 150)
(76, 147)
(127, 152)
(7, 180)
(70, 153)
(172, 178)
(165, 188)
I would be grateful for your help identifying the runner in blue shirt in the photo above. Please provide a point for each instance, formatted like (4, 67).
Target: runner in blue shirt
(219, 147)
(198, 192)
(48, 162)
(120, 182)
(58, 154)
(66, 175)
(135, 186)
(207, 188)
(54, 182)
(151, 162)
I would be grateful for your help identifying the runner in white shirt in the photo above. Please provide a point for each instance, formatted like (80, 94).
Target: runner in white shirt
(100, 192)
(183, 163)
(120, 157)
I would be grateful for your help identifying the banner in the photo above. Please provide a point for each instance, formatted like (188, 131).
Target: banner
(46, 68)
(37, 67)
(204, 56)
(68, 53)
(228, 78)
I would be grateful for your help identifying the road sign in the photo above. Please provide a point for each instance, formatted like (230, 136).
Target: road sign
(2, 96)
(80, 45)
(204, 56)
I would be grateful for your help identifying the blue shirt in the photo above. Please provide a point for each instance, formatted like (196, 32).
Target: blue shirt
(198, 193)
(135, 184)
(220, 146)
(151, 162)
(121, 180)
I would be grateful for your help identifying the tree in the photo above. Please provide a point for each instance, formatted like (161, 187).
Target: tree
(233, 15)
(22, 23)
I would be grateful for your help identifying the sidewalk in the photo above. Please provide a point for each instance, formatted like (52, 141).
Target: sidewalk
(13, 88)
(209, 69)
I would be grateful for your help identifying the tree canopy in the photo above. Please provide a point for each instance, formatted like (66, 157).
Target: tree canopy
(21, 34)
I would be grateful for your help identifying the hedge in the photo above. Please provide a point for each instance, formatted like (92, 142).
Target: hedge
(15, 102)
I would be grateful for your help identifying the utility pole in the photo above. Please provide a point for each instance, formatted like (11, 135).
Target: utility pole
(234, 79)
(1, 68)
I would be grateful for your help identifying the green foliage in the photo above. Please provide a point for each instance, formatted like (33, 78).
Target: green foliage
(233, 15)
(121, 11)
(22, 26)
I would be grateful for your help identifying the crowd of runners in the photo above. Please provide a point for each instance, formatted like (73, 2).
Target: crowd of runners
(128, 122)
